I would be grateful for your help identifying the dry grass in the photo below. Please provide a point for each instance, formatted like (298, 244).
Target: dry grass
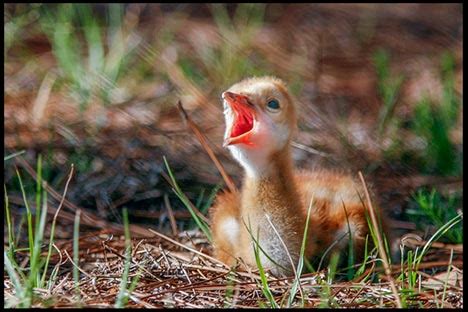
(171, 275)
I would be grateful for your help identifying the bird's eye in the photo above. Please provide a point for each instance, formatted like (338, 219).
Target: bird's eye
(273, 105)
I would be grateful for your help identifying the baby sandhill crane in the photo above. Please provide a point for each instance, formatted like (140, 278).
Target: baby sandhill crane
(272, 205)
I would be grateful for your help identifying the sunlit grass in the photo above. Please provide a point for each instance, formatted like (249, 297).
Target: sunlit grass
(124, 291)
(434, 209)
(300, 265)
(26, 283)
(264, 280)
(96, 72)
(413, 259)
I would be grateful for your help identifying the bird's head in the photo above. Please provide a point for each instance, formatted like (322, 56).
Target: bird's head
(260, 120)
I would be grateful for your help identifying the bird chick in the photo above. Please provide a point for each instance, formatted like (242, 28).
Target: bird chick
(270, 211)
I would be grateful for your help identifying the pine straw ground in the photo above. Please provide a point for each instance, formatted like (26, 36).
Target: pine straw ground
(325, 52)
(179, 272)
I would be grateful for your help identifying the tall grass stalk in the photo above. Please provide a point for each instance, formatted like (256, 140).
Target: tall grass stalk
(201, 224)
(380, 244)
(54, 221)
(256, 249)
(418, 257)
(11, 237)
(325, 294)
(265, 288)
(447, 278)
(362, 267)
(36, 259)
(26, 283)
(300, 265)
(38, 189)
(28, 216)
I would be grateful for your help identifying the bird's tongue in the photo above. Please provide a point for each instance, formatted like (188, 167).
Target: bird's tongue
(243, 120)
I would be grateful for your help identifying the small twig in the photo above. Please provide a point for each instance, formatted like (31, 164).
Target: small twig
(359, 292)
(204, 142)
(188, 248)
(64, 193)
(54, 221)
(171, 215)
(396, 268)
(381, 248)
(76, 265)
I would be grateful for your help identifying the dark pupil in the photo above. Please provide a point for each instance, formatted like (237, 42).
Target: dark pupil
(273, 104)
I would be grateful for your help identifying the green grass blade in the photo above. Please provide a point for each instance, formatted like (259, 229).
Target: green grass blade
(350, 270)
(11, 237)
(36, 259)
(28, 216)
(52, 231)
(122, 297)
(201, 224)
(265, 288)
(38, 190)
(200, 198)
(19, 289)
(362, 267)
(257, 243)
(447, 279)
(437, 235)
(210, 199)
(92, 33)
(300, 265)
(5, 158)
(325, 296)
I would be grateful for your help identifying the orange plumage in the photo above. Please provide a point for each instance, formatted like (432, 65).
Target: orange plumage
(271, 207)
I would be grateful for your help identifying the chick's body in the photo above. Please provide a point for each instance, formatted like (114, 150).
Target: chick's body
(271, 208)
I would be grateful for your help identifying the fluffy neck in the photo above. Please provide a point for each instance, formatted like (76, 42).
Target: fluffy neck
(272, 189)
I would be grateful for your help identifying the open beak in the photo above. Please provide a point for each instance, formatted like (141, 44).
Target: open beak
(244, 119)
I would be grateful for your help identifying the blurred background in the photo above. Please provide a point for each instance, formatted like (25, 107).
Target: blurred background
(379, 88)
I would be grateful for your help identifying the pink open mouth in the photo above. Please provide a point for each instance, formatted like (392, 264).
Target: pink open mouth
(244, 119)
